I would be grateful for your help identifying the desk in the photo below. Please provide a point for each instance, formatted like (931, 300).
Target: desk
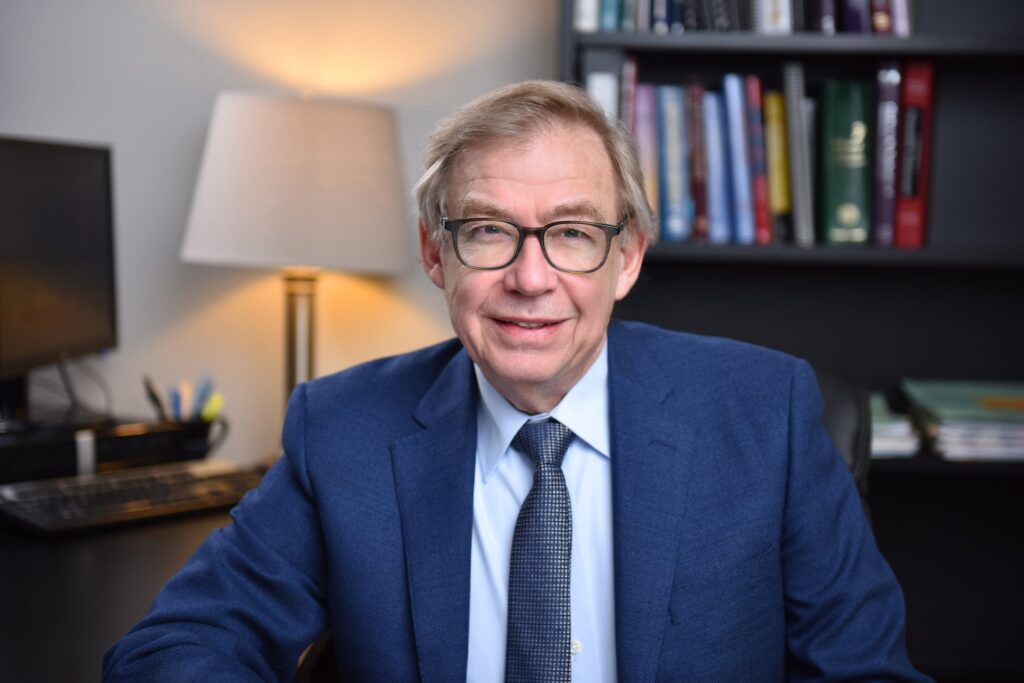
(65, 601)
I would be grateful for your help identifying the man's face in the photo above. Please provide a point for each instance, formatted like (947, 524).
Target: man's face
(533, 330)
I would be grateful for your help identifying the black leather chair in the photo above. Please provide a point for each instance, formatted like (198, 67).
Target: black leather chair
(847, 418)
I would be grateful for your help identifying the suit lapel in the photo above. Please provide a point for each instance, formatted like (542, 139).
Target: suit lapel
(651, 442)
(434, 472)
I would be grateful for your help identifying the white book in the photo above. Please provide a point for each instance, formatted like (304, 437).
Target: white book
(739, 160)
(775, 17)
(603, 86)
(585, 15)
(901, 18)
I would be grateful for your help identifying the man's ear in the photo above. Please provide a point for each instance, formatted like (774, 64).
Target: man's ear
(633, 249)
(430, 253)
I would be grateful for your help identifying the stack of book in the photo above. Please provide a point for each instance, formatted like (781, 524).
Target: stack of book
(760, 16)
(892, 434)
(763, 160)
(970, 420)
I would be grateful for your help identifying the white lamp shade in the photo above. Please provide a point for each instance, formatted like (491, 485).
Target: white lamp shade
(299, 182)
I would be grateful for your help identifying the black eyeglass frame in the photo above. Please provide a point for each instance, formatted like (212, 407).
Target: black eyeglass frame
(452, 226)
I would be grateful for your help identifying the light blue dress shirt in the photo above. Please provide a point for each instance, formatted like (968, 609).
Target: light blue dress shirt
(504, 477)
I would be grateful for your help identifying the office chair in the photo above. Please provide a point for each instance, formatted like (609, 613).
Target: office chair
(847, 418)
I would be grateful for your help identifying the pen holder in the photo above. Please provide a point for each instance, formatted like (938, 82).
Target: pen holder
(200, 439)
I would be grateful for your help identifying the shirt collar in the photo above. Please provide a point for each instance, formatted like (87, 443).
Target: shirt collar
(584, 410)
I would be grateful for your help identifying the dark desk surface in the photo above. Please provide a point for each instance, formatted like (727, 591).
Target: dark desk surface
(65, 601)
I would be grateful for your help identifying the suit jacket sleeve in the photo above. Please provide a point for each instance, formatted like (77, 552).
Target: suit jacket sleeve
(251, 598)
(844, 607)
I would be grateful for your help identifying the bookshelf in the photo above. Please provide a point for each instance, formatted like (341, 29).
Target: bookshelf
(953, 309)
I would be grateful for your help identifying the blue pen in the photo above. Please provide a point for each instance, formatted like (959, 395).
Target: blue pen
(174, 398)
(202, 395)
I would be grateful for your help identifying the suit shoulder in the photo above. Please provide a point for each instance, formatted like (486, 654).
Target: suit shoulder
(384, 379)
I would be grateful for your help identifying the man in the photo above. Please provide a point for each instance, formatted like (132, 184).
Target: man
(550, 495)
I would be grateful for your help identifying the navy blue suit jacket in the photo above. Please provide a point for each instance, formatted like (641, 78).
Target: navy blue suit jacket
(741, 550)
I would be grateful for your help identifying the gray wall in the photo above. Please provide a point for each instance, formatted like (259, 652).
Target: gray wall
(142, 77)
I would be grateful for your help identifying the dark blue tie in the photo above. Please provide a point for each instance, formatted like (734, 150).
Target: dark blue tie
(537, 647)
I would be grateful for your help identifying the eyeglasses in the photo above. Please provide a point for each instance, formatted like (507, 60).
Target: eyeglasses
(569, 246)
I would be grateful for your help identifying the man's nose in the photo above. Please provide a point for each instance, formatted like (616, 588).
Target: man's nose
(530, 273)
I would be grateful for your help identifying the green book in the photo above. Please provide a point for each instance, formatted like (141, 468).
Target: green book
(846, 187)
(943, 402)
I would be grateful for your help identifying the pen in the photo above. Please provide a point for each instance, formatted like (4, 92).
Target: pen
(213, 407)
(175, 401)
(202, 395)
(154, 398)
(185, 396)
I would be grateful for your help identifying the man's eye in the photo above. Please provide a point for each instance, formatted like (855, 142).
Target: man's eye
(572, 233)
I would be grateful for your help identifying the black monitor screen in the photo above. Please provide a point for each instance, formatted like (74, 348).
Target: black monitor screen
(56, 254)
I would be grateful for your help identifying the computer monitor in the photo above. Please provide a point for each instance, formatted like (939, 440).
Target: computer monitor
(57, 295)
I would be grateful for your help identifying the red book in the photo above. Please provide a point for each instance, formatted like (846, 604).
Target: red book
(697, 158)
(758, 163)
(916, 98)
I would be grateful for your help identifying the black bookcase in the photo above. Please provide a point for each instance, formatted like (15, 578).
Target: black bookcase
(954, 309)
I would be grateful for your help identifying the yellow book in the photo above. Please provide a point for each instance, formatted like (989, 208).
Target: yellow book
(779, 198)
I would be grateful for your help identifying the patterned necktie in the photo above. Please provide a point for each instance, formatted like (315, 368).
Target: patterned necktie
(537, 647)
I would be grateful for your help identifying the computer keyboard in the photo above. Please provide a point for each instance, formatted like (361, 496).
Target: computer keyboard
(96, 500)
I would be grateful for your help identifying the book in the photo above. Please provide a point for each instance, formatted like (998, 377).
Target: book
(627, 16)
(855, 16)
(739, 161)
(823, 17)
(963, 420)
(778, 166)
(774, 17)
(646, 132)
(602, 69)
(881, 16)
(696, 154)
(627, 92)
(721, 15)
(585, 15)
(643, 16)
(675, 186)
(800, 173)
(798, 13)
(916, 98)
(719, 221)
(660, 15)
(684, 16)
(758, 161)
(886, 153)
(609, 15)
(892, 434)
(846, 183)
(901, 18)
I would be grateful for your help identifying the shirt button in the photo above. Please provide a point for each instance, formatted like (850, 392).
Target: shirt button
(575, 647)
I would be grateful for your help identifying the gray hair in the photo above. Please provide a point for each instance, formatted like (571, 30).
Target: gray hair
(515, 111)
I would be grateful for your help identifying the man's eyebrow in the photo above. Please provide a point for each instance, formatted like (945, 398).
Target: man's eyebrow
(583, 210)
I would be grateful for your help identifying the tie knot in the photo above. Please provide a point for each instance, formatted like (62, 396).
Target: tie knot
(544, 442)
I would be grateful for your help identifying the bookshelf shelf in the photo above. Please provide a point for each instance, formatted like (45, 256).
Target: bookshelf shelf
(967, 257)
(808, 44)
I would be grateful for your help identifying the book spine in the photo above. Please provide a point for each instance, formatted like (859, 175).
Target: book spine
(800, 176)
(758, 162)
(823, 17)
(739, 162)
(627, 97)
(778, 166)
(646, 132)
(719, 16)
(901, 18)
(610, 11)
(674, 186)
(719, 223)
(585, 15)
(856, 16)
(602, 70)
(659, 16)
(881, 16)
(643, 16)
(886, 152)
(799, 13)
(916, 104)
(775, 17)
(689, 14)
(846, 174)
(627, 16)
(697, 156)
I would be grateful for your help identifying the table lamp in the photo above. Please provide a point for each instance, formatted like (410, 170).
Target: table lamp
(299, 184)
